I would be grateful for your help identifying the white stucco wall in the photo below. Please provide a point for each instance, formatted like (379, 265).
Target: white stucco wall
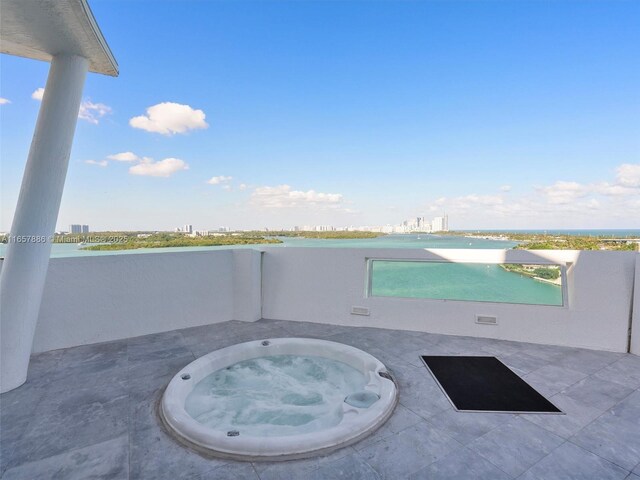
(635, 328)
(321, 285)
(99, 298)
(247, 285)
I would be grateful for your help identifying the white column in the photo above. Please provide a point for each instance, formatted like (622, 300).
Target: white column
(27, 257)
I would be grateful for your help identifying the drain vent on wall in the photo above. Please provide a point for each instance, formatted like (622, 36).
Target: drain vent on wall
(360, 311)
(486, 319)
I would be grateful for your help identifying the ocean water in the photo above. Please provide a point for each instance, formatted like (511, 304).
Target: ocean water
(276, 395)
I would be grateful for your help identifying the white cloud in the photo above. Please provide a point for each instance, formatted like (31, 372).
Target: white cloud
(562, 193)
(628, 175)
(38, 94)
(124, 157)
(592, 204)
(168, 118)
(92, 112)
(163, 168)
(627, 183)
(283, 196)
(144, 166)
(99, 163)
(564, 204)
(227, 188)
(219, 180)
(466, 202)
(4, 101)
(242, 186)
(614, 190)
(482, 199)
(505, 188)
(89, 111)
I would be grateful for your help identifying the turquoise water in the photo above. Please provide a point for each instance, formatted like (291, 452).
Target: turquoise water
(460, 281)
(389, 241)
(275, 395)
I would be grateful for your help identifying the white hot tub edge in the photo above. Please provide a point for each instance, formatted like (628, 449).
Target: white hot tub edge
(356, 423)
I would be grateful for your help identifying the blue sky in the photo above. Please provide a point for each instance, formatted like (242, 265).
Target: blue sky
(503, 114)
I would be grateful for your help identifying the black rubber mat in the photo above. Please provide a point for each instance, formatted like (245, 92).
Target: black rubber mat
(485, 384)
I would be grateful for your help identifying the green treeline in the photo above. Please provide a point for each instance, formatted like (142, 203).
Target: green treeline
(168, 240)
(116, 240)
(551, 272)
(539, 241)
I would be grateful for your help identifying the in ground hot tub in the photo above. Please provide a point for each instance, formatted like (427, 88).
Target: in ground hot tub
(278, 399)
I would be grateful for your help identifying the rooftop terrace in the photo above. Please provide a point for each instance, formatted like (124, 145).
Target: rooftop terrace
(87, 409)
(89, 412)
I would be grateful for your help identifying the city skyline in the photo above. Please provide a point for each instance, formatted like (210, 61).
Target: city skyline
(295, 126)
(412, 225)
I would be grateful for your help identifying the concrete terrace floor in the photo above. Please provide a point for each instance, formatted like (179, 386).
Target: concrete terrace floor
(88, 413)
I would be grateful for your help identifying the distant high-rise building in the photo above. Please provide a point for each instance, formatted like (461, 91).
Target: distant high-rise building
(74, 228)
(440, 224)
(188, 229)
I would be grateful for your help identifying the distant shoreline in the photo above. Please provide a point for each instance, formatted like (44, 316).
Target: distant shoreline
(137, 240)
(531, 271)
(557, 241)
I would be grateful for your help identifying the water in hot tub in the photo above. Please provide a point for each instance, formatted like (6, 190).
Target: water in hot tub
(275, 395)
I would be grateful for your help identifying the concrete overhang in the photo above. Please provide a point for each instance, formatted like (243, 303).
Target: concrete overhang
(41, 29)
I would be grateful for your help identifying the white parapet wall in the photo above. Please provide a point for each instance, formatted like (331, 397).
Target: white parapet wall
(101, 298)
(247, 285)
(322, 285)
(635, 327)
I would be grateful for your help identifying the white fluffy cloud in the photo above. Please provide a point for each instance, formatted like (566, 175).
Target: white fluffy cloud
(92, 112)
(505, 188)
(466, 202)
(283, 196)
(168, 118)
(614, 190)
(89, 111)
(4, 101)
(38, 94)
(563, 202)
(219, 180)
(162, 168)
(628, 175)
(144, 166)
(627, 183)
(98, 163)
(562, 193)
(124, 157)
